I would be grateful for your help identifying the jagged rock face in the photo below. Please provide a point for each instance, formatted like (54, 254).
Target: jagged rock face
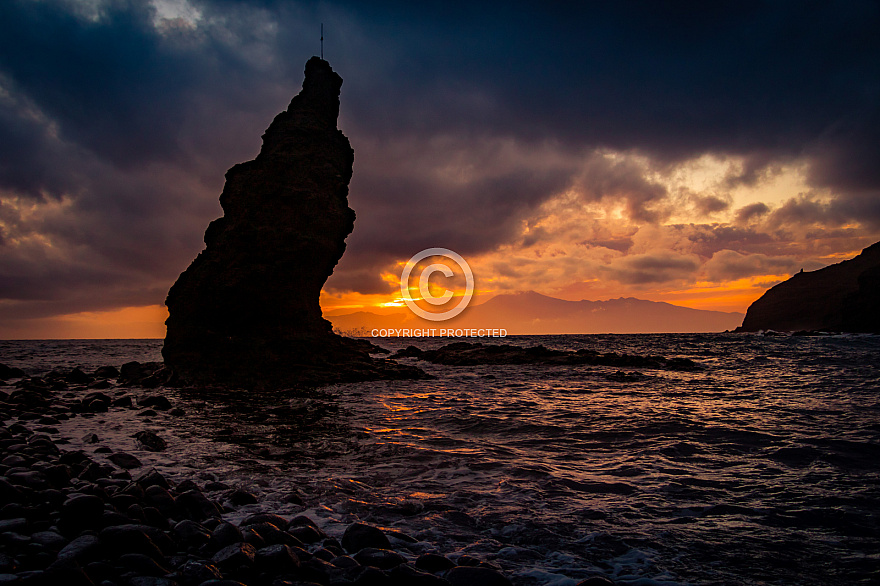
(246, 310)
(843, 297)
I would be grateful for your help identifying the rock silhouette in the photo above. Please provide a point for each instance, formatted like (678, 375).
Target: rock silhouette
(246, 310)
(843, 297)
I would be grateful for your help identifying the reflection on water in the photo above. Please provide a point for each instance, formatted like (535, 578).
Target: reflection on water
(762, 468)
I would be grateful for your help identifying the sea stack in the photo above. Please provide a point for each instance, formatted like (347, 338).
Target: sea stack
(843, 297)
(245, 312)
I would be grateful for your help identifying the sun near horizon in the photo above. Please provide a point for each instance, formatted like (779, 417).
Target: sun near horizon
(148, 322)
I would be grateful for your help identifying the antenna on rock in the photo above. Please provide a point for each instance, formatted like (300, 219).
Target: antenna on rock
(322, 40)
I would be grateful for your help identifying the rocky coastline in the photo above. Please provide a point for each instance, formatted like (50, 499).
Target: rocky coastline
(98, 515)
(842, 297)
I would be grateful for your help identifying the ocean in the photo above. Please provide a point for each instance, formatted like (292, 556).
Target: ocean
(763, 467)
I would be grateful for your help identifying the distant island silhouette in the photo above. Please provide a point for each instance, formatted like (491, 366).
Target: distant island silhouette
(533, 313)
(843, 297)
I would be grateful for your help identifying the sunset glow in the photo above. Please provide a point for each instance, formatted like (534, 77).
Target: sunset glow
(665, 188)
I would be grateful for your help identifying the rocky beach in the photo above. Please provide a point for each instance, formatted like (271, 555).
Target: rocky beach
(86, 510)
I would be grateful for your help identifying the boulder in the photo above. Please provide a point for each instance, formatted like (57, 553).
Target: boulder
(359, 536)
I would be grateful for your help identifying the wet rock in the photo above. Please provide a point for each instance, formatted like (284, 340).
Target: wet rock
(14, 525)
(149, 441)
(160, 498)
(124, 460)
(272, 518)
(33, 479)
(96, 402)
(192, 533)
(156, 402)
(434, 563)
(196, 506)
(78, 377)
(325, 554)
(344, 561)
(91, 438)
(294, 498)
(8, 372)
(142, 564)
(239, 498)
(95, 471)
(147, 374)
(7, 563)
(153, 478)
(198, 572)
(226, 534)
(134, 538)
(151, 581)
(252, 537)
(476, 576)
(316, 570)
(274, 536)
(106, 372)
(235, 556)
(124, 401)
(384, 559)
(407, 575)
(596, 581)
(371, 576)
(82, 549)
(276, 559)
(147, 413)
(359, 536)
(187, 485)
(307, 533)
(9, 493)
(49, 539)
(80, 512)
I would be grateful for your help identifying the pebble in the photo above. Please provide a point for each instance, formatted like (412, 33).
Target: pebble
(69, 518)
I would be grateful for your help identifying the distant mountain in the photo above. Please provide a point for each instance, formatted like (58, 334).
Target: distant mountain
(843, 297)
(533, 313)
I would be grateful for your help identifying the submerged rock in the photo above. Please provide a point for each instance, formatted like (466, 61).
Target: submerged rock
(470, 354)
(245, 312)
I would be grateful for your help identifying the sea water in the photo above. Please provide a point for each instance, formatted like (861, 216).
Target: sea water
(763, 467)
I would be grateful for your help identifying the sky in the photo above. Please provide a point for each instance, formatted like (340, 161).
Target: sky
(689, 152)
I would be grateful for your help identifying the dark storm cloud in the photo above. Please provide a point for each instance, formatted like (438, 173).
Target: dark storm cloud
(618, 244)
(709, 204)
(806, 210)
(753, 210)
(135, 125)
(652, 268)
(604, 179)
(729, 265)
(407, 202)
(707, 239)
